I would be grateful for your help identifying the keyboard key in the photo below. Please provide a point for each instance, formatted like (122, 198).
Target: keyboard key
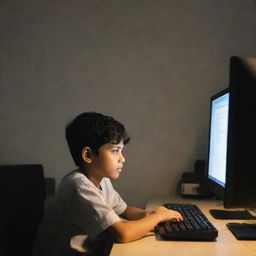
(181, 226)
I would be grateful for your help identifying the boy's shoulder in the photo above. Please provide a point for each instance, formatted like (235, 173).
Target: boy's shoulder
(77, 178)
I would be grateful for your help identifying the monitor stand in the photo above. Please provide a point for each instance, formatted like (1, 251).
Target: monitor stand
(231, 215)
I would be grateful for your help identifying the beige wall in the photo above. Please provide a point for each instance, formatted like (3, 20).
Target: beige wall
(151, 64)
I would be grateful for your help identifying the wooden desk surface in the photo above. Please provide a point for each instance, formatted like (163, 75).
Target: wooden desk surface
(225, 245)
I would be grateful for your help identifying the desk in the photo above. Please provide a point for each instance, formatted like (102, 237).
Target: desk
(225, 245)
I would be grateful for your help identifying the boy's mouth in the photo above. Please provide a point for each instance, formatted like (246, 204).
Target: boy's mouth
(119, 169)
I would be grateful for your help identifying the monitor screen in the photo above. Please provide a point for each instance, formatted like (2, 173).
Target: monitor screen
(218, 138)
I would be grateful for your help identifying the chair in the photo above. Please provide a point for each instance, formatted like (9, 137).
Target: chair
(22, 195)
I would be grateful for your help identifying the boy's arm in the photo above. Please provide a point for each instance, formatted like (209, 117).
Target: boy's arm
(133, 213)
(128, 231)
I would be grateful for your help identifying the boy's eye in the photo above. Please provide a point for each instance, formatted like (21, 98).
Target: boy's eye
(115, 151)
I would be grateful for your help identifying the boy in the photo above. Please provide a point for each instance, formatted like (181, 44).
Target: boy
(86, 206)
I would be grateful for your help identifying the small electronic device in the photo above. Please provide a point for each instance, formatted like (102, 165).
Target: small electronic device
(193, 183)
(190, 189)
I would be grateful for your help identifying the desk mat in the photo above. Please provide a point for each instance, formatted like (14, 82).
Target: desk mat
(232, 215)
(243, 231)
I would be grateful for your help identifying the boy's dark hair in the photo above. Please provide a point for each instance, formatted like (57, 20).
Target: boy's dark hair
(93, 130)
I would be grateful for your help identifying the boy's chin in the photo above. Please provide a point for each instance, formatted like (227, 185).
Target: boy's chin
(115, 176)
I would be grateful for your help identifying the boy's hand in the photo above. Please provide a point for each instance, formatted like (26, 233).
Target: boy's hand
(166, 214)
(127, 231)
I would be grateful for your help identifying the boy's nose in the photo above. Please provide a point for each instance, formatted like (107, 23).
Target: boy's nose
(122, 159)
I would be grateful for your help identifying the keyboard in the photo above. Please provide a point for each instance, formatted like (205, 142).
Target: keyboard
(195, 225)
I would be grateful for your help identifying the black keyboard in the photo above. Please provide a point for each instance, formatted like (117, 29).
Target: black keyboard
(195, 225)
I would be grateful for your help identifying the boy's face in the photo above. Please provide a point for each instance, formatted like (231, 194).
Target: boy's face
(109, 162)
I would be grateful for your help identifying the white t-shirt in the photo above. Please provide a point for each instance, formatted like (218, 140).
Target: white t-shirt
(78, 208)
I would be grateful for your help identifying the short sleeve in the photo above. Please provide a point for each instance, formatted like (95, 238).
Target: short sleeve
(113, 198)
(90, 211)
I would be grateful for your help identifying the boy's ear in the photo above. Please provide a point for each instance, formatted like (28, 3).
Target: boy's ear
(87, 154)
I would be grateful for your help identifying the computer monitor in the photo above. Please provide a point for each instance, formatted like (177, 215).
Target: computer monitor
(232, 137)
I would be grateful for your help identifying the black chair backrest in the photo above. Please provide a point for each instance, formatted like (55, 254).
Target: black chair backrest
(22, 195)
